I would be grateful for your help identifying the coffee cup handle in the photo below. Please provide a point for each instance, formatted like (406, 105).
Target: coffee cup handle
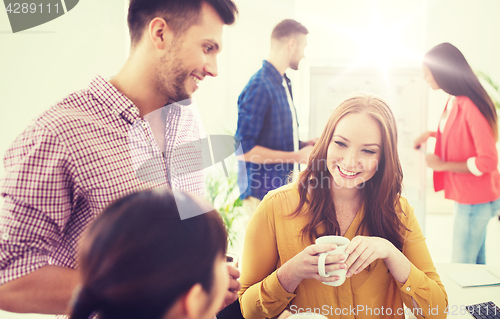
(321, 265)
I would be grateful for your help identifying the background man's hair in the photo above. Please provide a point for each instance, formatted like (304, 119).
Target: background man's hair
(180, 15)
(287, 28)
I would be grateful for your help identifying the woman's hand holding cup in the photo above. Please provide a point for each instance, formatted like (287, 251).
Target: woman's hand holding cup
(306, 262)
(363, 250)
(325, 269)
(304, 265)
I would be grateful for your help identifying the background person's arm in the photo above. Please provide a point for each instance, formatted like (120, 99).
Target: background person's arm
(423, 138)
(311, 142)
(47, 290)
(264, 155)
(486, 159)
(438, 165)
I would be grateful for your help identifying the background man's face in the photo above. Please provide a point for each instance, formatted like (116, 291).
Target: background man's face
(192, 56)
(301, 40)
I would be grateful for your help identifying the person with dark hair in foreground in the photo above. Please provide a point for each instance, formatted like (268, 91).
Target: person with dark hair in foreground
(138, 259)
(351, 188)
(465, 158)
(76, 158)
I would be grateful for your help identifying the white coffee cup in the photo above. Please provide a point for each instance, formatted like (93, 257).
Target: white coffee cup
(342, 243)
(307, 316)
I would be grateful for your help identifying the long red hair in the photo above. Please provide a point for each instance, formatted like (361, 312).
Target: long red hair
(381, 194)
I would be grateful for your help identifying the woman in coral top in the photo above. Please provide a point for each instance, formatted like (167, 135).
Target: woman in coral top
(465, 158)
(352, 188)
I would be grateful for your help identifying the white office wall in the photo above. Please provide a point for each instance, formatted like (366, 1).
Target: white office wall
(40, 66)
(473, 28)
(398, 31)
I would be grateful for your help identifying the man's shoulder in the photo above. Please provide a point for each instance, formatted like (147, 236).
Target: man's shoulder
(76, 107)
(262, 77)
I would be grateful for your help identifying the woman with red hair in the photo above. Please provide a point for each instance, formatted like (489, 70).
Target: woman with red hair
(352, 188)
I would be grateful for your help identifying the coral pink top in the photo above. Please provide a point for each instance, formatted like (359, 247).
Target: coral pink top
(467, 134)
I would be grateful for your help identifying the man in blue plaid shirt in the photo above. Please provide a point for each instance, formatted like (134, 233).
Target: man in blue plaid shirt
(267, 120)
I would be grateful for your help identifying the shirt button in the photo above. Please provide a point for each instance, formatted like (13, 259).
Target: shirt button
(5, 236)
(407, 288)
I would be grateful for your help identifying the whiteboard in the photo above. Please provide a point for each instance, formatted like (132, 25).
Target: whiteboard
(405, 92)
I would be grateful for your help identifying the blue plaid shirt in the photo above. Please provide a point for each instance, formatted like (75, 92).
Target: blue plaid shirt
(265, 119)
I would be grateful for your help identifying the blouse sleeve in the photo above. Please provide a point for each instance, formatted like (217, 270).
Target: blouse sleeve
(482, 135)
(423, 284)
(261, 294)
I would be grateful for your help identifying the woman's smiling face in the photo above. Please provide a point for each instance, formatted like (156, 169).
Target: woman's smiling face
(354, 151)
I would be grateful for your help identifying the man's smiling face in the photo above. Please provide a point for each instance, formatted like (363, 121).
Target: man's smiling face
(191, 57)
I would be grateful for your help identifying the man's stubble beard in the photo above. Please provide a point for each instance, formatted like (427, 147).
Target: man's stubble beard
(171, 76)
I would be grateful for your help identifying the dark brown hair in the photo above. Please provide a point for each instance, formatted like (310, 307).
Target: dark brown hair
(288, 28)
(381, 194)
(138, 257)
(180, 15)
(455, 76)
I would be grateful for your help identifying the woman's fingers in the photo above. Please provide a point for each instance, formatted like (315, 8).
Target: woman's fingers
(326, 279)
(355, 267)
(329, 269)
(306, 262)
(368, 261)
(366, 251)
(354, 254)
(330, 259)
(334, 267)
(318, 249)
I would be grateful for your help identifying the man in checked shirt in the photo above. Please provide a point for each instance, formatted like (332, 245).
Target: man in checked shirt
(75, 159)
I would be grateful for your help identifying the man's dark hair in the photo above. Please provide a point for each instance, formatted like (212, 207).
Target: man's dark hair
(180, 15)
(287, 28)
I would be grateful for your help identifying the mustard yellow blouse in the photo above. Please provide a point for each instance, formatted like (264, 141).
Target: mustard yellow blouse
(273, 237)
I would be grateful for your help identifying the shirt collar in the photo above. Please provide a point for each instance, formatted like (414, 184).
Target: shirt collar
(117, 102)
(274, 73)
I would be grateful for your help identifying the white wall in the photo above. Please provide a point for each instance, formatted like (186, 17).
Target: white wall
(40, 66)
(346, 33)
